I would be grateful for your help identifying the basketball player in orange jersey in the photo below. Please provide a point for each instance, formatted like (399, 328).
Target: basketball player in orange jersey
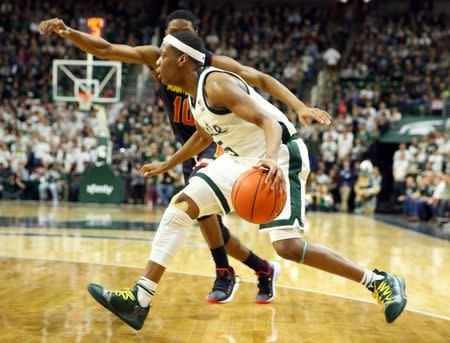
(180, 20)
(254, 133)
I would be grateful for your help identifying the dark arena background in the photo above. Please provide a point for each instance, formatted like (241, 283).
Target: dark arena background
(75, 129)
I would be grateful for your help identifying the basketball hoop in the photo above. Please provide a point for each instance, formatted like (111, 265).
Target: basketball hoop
(84, 100)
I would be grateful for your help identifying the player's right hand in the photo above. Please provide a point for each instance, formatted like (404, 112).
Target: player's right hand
(54, 25)
(275, 172)
(154, 168)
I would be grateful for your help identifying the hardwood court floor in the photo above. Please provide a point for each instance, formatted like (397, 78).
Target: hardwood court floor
(49, 254)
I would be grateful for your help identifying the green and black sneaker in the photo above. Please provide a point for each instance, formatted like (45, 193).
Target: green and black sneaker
(390, 293)
(124, 304)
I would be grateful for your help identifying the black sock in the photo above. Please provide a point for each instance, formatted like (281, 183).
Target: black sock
(256, 263)
(220, 257)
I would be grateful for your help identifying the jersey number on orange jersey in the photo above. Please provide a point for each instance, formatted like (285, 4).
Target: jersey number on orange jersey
(186, 117)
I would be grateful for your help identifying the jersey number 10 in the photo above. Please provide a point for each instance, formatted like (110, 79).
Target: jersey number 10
(186, 116)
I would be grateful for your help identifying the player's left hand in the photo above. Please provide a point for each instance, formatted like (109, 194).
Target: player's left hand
(275, 172)
(316, 114)
(154, 168)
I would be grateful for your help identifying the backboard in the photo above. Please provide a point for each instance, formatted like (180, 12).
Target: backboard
(87, 81)
(102, 80)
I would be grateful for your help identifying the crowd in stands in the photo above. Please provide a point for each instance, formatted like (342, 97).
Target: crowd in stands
(140, 134)
(286, 42)
(402, 64)
(45, 148)
(26, 57)
(403, 60)
(422, 178)
(43, 144)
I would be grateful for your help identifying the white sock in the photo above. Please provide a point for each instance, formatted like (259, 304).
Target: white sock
(369, 277)
(146, 290)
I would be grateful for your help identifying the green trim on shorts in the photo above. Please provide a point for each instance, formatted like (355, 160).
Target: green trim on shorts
(305, 247)
(215, 189)
(295, 166)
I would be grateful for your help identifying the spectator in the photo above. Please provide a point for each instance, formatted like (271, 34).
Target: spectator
(322, 178)
(314, 149)
(332, 57)
(441, 200)
(137, 185)
(49, 182)
(328, 150)
(437, 161)
(415, 206)
(400, 169)
(167, 181)
(402, 151)
(346, 184)
(12, 186)
(344, 143)
(325, 199)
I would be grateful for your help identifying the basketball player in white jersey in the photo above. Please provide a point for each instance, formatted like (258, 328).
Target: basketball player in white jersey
(182, 20)
(253, 133)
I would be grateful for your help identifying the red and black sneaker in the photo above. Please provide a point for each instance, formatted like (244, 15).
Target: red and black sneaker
(224, 287)
(266, 283)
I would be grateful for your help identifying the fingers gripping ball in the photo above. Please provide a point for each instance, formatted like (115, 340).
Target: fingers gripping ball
(253, 199)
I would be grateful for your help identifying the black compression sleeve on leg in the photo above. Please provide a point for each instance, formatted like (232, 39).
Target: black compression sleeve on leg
(225, 231)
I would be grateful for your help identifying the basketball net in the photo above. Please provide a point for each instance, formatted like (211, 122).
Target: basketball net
(84, 100)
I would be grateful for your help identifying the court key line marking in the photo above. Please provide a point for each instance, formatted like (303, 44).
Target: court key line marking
(93, 236)
(329, 294)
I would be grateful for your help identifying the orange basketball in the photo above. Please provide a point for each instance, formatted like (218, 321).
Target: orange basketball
(253, 199)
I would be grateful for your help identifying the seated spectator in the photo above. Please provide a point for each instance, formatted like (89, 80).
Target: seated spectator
(416, 206)
(311, 192)
(346, 184)
(322, 178)
(137, 184)
(333, 187)
(441, 198)
(408, 190)
(324, 199)
(167, 181)
(12, 186)
(49, 182)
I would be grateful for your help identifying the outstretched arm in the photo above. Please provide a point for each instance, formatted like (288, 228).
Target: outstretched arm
(99, 47)
(224, 90)
(270, 85)
(198, 142)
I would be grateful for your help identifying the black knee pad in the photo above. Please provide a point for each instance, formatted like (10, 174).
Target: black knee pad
(225, 232)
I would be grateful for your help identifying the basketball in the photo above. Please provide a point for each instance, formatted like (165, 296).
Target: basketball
(254, 200)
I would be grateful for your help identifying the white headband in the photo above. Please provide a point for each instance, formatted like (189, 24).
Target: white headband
(176, 43)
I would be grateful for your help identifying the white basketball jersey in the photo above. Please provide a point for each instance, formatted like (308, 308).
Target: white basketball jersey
(235, 135)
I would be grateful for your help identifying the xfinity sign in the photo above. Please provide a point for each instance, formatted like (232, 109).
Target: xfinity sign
(99, 189)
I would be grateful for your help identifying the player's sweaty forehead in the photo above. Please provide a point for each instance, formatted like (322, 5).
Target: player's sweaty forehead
(178, 25)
